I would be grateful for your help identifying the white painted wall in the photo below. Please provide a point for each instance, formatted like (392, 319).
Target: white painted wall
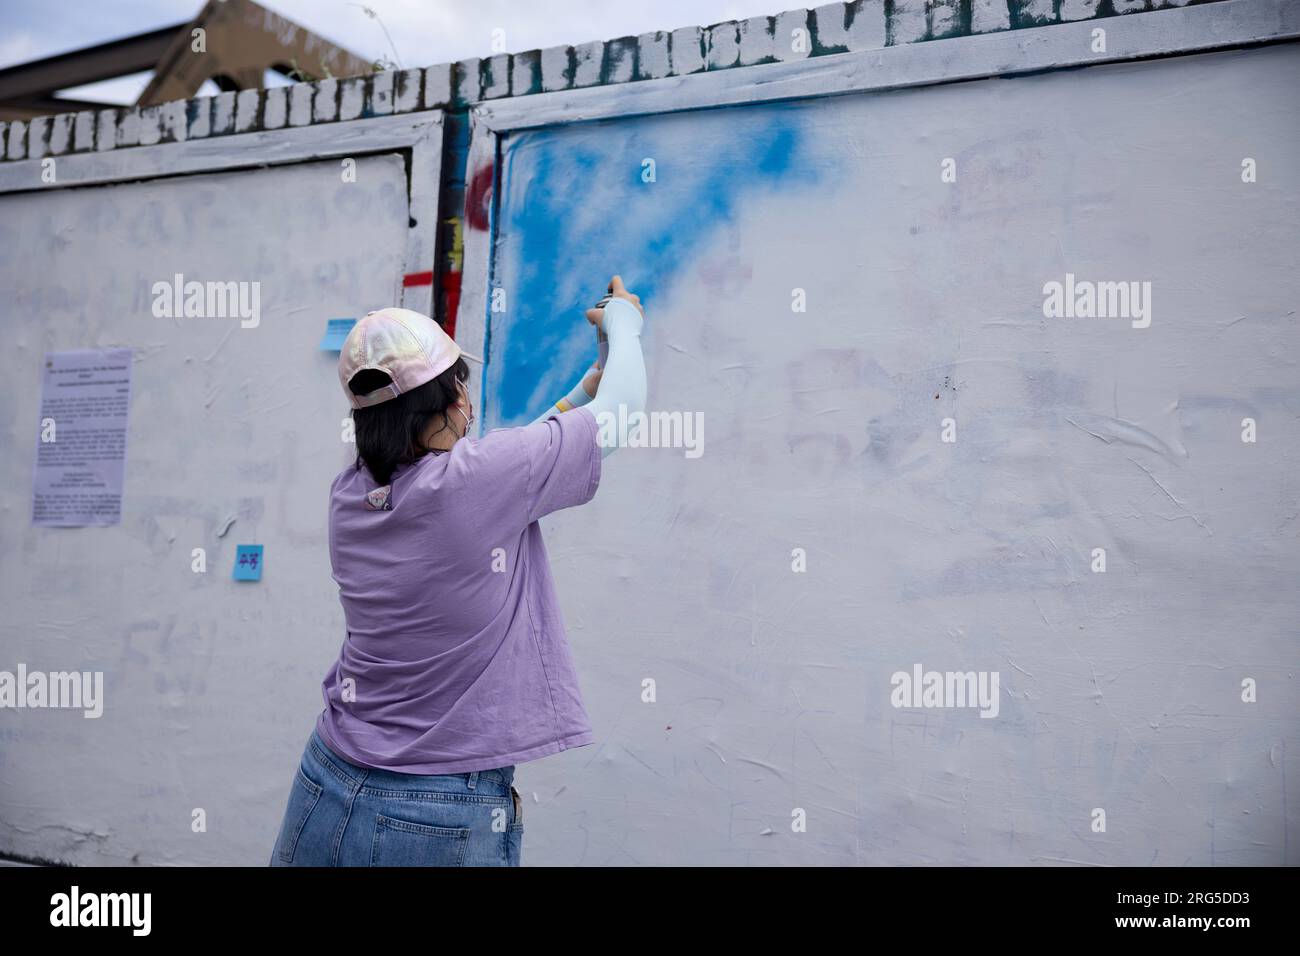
(211, 685)
(1119, 691)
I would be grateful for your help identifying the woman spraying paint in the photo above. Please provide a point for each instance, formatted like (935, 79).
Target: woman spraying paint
(455, 666)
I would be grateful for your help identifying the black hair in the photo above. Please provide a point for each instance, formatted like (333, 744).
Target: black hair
(392, 433)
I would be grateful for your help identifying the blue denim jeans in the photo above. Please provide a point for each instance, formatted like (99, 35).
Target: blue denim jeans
(340, 814)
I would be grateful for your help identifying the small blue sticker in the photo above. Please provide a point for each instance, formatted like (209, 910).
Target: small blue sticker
(336, 330)
(248, 562)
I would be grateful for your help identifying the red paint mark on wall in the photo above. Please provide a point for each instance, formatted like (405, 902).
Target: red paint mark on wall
(478, 198)
(451, 295)
(417, 278)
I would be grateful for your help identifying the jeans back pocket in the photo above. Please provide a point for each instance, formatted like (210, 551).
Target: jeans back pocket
(403, 843)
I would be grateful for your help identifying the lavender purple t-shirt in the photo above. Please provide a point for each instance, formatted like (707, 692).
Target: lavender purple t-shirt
(456, 657)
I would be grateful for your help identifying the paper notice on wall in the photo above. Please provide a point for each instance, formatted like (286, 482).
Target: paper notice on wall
(81, 447)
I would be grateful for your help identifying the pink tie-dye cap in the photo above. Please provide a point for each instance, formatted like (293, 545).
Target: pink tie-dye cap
(409, 347)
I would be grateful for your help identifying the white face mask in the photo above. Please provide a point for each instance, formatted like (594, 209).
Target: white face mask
(468, 421)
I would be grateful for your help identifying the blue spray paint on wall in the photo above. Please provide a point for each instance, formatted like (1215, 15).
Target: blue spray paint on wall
(575, 209)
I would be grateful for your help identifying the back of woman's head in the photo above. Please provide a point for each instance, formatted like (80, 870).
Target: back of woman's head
(392, 433)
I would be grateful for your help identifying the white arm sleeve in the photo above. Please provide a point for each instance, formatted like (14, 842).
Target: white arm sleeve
(623, 381)
(576, 398)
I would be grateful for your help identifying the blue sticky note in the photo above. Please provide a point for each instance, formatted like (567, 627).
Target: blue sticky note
(336, 330)
(248, 562)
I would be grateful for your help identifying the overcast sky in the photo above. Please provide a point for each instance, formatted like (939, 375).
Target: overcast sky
(422, 32)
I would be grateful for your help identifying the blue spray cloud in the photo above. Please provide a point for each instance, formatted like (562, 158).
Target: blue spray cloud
(575, 210)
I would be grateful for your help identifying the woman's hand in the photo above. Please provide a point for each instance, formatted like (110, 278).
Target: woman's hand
(617, 290)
